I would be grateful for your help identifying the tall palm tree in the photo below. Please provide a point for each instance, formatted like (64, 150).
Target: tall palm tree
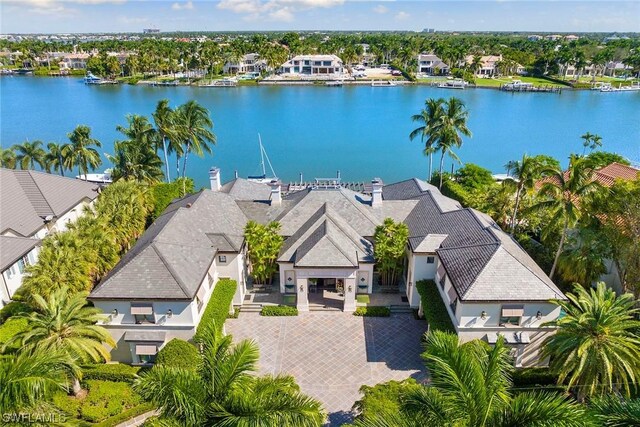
(223, 390)
(591, 141)
(163, 118)
(427, 118)
(194, 128)
(136, 158)
(55, 157)
(64, 322)
(561, 195)
(523, 175)
(470, 387)
(596, 347)
(30, 153)
(7, 158)
(81, 153)
(30, 377)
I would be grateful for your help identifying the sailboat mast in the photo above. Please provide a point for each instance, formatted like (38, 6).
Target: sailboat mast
(264, 172)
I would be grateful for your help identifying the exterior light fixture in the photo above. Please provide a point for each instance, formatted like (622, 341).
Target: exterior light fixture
(169, 313)
(114, 312)
(349, 289)
(301, 288)
(362, 279)
(539, 315)
(289, 279)
(483, 315)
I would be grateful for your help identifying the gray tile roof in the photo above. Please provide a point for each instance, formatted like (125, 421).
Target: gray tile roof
(27, 197)
(14, 248)
(242, 189)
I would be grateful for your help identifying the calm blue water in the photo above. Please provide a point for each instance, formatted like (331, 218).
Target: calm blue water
(362, 131)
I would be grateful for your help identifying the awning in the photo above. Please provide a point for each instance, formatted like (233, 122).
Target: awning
(142, 309)
(145, 336)
(145, 349)
(512, 310)
(509, 338)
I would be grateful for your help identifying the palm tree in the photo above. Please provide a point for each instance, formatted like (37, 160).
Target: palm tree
(30, 377)
(450, 123)
(470, 387)
(561, 194)
(427, 118)
(596, 346)
(612, 411)
(7, 158)
(163, 119)
(64, 322)
(29, 153)
(55, 157)
(591, 141)
(524, 173)
(194, 129)
(81, 153)
(224, 391)
(136, 158)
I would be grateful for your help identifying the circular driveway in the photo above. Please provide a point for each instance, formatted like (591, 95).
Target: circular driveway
(332, 354)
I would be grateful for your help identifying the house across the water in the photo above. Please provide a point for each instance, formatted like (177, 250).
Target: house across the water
(488, 283)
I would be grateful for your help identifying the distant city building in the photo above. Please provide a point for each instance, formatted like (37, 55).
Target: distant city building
(150, 30)
(429, 30)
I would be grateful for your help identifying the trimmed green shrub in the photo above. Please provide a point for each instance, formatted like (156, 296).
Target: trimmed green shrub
(219, 304)
(126, 415)
(178, 353)
(435, 312)
(364, 299)
(236, 313)
(278, 310)
(534, 376)
(118, 372)
(11, 309)
(10, 328)
(372, 311)
(165, 192)
(383, 397)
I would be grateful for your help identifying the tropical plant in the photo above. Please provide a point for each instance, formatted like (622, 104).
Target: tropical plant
(55, 157)
(223, 390)
(7, 158)
(470, 387)
(193, 127)
(613, 411)
(427, 118)
(28, 154)
(64, 322)
(29, 378)
(523, 176)
(135, 158)
(263, 246)
(596, 348)
(389, 249)
(583, 259)
(81, 153)
(163, 118)
(591, 141)
(562, 192)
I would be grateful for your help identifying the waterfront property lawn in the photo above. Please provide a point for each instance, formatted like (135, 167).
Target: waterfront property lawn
(537, 81)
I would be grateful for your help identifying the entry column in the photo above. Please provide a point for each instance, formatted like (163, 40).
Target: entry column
(349, 295)
(302, 290)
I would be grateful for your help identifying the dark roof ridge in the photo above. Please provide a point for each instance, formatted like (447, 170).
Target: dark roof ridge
(171, 271)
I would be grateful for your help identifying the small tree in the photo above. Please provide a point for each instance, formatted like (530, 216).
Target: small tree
(390, 242)
(263, 246)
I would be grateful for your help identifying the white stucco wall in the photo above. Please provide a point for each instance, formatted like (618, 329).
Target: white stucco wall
(418, 269)
(10, 285)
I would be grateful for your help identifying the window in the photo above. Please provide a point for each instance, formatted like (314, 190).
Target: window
(143, 313)
(11, 272)
(146, 358)
(431, 259)
(511, 315)
(21, 265)
(31, 258)
(442, 282)
(199, 303)
(210, 278)
(222, 258)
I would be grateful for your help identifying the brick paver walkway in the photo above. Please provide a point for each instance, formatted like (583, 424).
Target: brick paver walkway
(332, 354)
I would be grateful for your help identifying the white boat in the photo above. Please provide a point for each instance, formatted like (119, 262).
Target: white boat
(90, 79)
(517, 85)
(263, 179)
(453, 84)
(334, 83)
(633, 87)
(97, 178)
(226, 82)
(383, 83)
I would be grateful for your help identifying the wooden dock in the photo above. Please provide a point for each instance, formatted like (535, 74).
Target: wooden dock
(360, 187)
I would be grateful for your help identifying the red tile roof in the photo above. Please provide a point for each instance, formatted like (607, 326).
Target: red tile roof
(608, 174)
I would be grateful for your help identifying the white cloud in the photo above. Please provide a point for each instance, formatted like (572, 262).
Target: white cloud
(182, 6)
(381, 9)
(401, 16)
(275, 10)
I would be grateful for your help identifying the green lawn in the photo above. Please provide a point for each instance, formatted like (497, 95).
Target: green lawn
(497, 82)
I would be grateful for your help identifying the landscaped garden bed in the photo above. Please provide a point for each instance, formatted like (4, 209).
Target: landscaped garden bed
(373, 311)
(433, 307)
(219, 304)
(278, 310)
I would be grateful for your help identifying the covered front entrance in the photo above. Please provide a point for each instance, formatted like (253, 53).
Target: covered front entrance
(326, 293)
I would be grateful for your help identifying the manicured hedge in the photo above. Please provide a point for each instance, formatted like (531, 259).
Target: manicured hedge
(11, 309)
(534, 376)
(178, 353)
(126, 415)
(218, 307)
(372, 311)
(110, 372)
(11, 327)
(278, 310)
(435, 312)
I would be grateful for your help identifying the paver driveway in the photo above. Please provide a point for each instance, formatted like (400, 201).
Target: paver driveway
(332, 354)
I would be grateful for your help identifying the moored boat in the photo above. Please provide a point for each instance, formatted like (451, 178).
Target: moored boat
(383, 83)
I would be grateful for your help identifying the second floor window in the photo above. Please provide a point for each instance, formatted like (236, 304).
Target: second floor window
(511, 315)
(143, 313)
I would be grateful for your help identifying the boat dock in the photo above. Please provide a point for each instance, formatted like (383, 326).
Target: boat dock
(510, 87)
(327, 184)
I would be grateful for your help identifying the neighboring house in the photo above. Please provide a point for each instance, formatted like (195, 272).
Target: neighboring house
(313, 65)
(159, 289)
(249, 63)
(432, 65)
(32, 205)
(614, 68)
(571, 38)
(588, 70)
(488, 64)
(74, 61)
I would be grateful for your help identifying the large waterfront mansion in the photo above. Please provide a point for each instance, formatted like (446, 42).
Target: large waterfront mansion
(490, 286)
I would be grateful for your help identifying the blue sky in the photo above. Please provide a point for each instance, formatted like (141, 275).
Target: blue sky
(51, 16)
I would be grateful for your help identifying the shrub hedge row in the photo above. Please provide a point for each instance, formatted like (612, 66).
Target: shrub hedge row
(435, 312)
(178, 353)
(372, 311)
(110, 372)
(218, 307)
(279, 310)
(534, 376)
(126, 415)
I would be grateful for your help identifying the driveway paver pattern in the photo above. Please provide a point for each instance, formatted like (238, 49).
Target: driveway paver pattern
(332, 354)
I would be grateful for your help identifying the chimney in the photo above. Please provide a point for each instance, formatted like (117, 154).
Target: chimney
(376, 194)
(276, 193)
(214, 178)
